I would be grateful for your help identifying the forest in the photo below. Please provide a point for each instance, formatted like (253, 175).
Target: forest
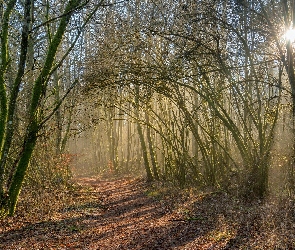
(128, 124)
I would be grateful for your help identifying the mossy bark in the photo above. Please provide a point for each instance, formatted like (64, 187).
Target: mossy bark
(9, 127)
(3, 68)
(17, 176)
(21, 169)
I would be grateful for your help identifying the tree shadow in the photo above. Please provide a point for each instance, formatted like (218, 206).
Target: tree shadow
(132, 220)
(128, 212)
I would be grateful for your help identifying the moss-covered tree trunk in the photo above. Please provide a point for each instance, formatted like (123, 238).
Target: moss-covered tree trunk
(8, 108)
(15, 177)
(21, 168)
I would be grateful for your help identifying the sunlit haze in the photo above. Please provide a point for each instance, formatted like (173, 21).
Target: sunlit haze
(290, 35)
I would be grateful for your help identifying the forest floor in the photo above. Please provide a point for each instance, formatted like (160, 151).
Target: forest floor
(128, 213)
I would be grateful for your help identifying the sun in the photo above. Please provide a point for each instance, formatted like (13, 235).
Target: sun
(290, 35)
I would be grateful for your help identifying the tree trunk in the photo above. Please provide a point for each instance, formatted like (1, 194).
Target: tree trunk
(144, 153)
(17, 173)
(151, 148)
(18, 177)
(141, 137)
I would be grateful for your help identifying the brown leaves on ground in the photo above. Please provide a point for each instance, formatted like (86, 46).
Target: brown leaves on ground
(130, 214)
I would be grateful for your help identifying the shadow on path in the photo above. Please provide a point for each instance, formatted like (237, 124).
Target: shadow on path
(124, 217)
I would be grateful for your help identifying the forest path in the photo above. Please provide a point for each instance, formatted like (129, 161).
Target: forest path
(116, 214)
(130, 214)
(133, 216)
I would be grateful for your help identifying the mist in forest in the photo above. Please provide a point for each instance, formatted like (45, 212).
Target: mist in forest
(190, 93)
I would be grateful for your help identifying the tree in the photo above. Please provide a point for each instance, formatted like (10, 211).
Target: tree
(13, 166)
(216, 67)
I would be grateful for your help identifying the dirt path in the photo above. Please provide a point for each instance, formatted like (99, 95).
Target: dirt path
(118, 214)
(128, 214)
(133, 218)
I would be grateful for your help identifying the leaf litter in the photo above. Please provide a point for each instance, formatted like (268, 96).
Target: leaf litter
(128, 213)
